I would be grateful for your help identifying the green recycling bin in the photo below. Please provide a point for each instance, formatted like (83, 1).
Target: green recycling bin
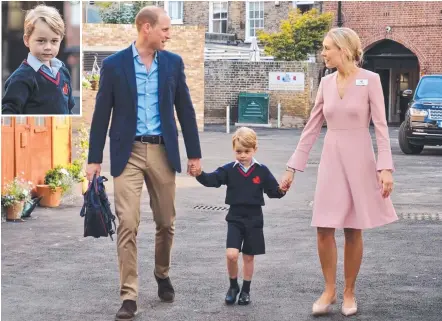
(253, 108)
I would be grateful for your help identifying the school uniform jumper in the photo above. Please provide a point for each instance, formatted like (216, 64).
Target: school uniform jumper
(245, 196)
(34, 88)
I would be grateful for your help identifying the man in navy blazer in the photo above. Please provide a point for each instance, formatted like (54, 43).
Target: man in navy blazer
(139, 87)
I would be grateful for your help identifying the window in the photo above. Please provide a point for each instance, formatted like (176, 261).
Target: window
(92, 12)
(39, 121)
(6, 121)
(61, 120)
(304, 6)
(20, 120)
(218, 16)
(175, 11)
(75, 13)
(404, 81)
(254, 18)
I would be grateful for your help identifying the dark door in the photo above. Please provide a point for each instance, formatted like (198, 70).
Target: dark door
(384, 74)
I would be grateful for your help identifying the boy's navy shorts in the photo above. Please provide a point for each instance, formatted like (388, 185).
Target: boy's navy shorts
(245, 229)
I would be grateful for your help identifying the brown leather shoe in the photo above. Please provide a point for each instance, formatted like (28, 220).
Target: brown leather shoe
(165, 289)
(127, 312)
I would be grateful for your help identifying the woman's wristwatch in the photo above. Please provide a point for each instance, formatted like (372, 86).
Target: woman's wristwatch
(289, 169)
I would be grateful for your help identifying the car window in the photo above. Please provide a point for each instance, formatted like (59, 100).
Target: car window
(430, 87)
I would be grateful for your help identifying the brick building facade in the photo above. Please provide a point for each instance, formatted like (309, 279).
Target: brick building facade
(235, 18)
(401, 40)
(105, 39)
(239, 18)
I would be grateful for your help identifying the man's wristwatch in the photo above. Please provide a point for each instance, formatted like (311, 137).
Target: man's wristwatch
(289, 169)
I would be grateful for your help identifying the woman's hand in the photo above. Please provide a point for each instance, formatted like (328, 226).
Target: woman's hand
(386, 180)
(287, 180)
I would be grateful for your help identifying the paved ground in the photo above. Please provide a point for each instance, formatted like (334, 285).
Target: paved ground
(50, 272)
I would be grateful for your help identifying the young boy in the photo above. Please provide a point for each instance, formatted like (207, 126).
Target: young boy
(246, 180)
(41, 84)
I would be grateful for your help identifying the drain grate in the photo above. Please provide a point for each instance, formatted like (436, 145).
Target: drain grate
(210, 208)
(421, 216)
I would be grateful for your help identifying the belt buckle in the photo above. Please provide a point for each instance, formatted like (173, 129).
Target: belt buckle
(142, 141)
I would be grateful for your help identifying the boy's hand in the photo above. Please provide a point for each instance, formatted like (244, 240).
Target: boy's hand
(194, 171)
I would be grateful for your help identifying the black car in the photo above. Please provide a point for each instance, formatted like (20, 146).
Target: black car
(423, 120)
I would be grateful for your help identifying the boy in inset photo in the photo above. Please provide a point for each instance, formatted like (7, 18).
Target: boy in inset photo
(42, 83)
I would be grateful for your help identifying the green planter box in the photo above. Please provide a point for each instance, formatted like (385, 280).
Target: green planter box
(253, 108)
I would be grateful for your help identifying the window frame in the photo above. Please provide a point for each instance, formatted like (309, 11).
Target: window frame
(175, 21)
(211, 20)
(303, 3)
(248, 38)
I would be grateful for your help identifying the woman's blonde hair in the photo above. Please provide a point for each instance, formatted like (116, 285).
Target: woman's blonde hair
(49, 15)
(347, 40)
(245, 137)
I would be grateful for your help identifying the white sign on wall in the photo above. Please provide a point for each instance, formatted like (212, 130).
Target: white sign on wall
(286, 81)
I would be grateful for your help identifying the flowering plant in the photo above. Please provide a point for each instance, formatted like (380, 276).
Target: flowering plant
(59, 177)
(16, 191)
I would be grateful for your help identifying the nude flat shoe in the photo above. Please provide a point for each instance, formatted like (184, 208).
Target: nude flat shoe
(349, 311)
(321, 309)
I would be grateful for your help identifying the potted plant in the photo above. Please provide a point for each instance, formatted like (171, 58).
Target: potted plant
(81, 142)
(93, 78)
(85, 83)
(15, 194)
(57, 181)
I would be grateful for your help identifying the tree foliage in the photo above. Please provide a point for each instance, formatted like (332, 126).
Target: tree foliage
(299, 35)
(121, 13)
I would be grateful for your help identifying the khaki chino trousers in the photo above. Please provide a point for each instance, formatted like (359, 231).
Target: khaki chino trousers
(147, 164)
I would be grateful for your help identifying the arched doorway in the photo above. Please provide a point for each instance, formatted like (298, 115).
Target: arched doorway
(398, 68)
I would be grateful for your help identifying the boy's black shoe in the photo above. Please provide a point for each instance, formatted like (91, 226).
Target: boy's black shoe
(127, 311)
(231, 295)
(244, 298)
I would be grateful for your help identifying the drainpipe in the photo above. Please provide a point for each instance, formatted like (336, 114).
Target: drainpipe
(340, 23)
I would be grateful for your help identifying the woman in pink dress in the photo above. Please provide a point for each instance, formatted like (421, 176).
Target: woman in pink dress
(353, 189)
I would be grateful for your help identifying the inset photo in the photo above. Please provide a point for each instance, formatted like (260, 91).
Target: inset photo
(41, 58)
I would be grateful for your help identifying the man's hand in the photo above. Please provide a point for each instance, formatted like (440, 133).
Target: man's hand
(195, 172)
(194, 166)
(92, 169)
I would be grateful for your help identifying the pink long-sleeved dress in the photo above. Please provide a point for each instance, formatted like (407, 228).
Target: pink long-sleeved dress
(348, 192)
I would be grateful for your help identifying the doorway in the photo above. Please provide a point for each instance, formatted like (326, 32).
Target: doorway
(385, 75)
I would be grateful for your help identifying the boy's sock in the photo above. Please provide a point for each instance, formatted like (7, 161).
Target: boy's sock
(246, 286)
(234, 283)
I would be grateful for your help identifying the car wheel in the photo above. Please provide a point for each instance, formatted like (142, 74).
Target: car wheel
(405, 145)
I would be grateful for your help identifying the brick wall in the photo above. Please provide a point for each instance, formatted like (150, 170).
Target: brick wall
(272, 16)
(187, 41)
(196, 13)
(224, 80)
(415, 24)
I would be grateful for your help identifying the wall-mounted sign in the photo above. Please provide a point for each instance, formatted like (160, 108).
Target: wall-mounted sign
(286, 81)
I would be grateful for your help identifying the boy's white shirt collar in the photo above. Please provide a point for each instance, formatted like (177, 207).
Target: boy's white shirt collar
(254, 161)
(36, 64)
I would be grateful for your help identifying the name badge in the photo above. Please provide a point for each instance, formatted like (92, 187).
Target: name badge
(361, 82)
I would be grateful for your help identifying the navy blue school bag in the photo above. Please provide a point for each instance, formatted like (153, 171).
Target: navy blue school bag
(98, 217)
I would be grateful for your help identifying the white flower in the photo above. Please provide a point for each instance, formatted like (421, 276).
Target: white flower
(64, 171)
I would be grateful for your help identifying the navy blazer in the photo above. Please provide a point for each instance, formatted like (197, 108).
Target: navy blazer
(117, 94)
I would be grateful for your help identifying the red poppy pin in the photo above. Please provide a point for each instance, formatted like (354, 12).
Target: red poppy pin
(256, 180)
(65, 89)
